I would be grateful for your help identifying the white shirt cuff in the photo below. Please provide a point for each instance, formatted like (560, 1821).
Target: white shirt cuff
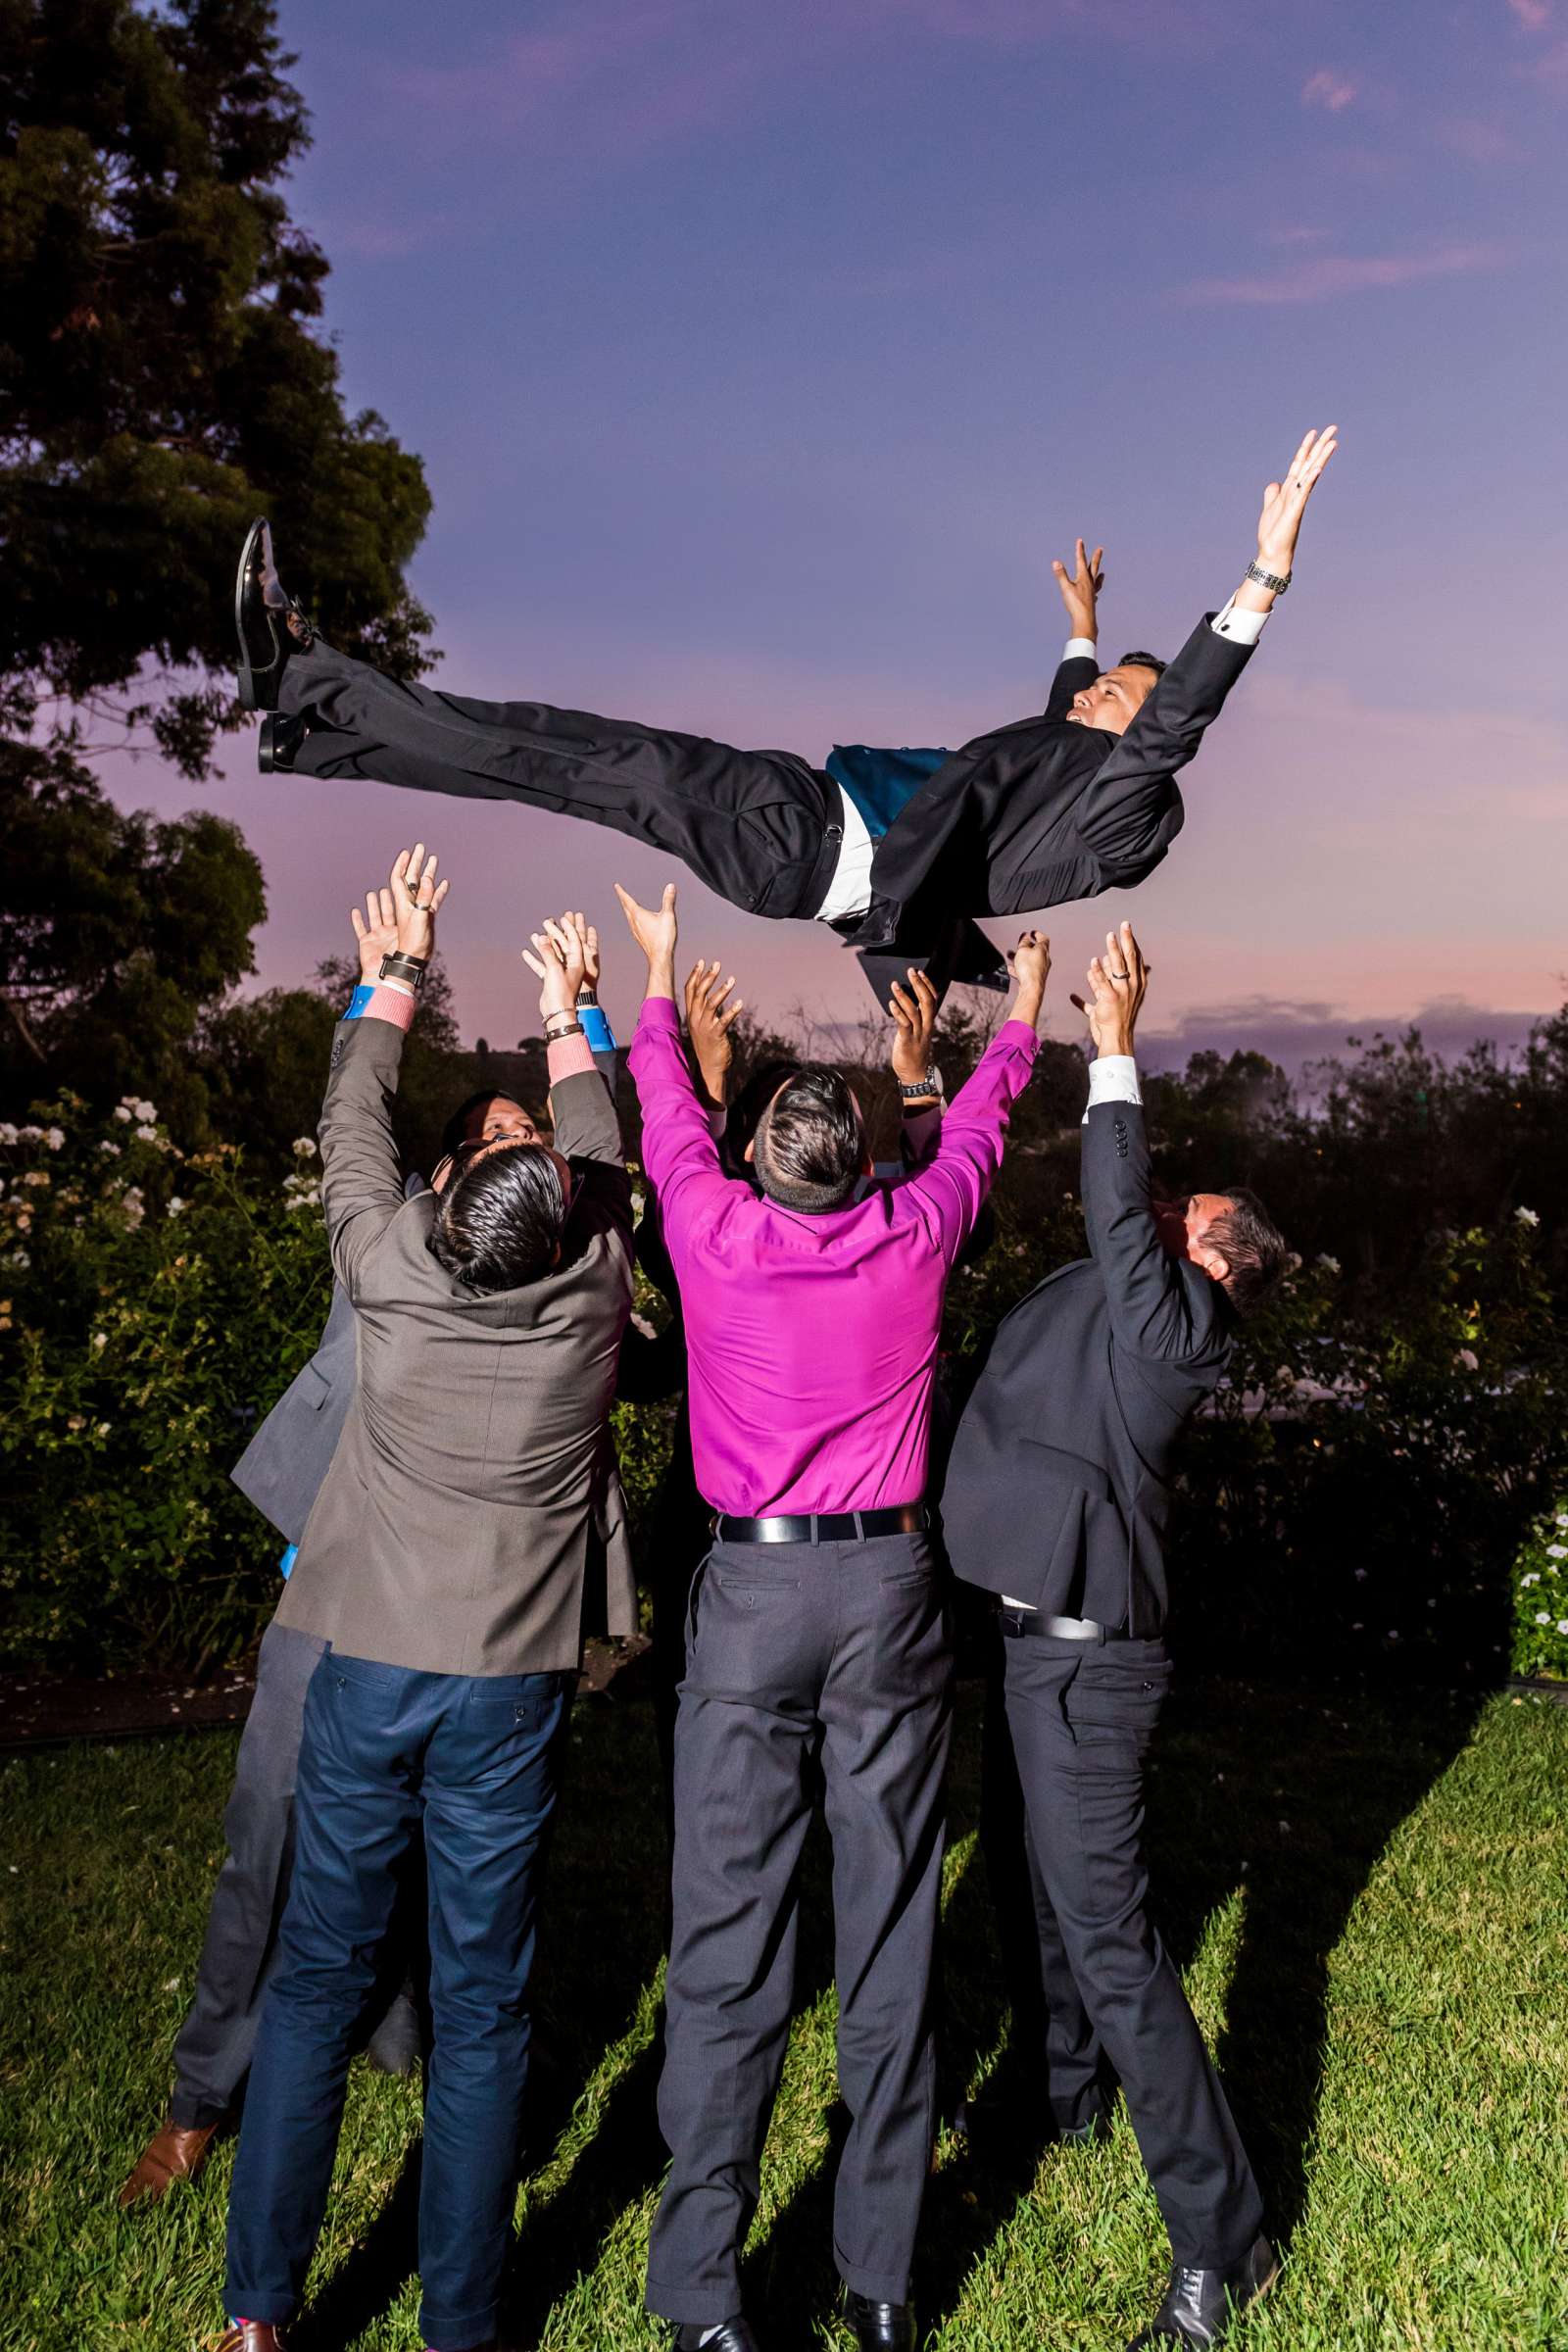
(1242, 628)
(1079, 648)
(1113, 1078)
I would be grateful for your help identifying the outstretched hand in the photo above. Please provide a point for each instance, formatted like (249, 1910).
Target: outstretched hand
(416, 900)
(653, 928)
(1117, 983)
(1279, 524)
(1079, 589)
(562, 953)
(375, 931)
(711, 1014)
(915, 1013)
(1031, 968)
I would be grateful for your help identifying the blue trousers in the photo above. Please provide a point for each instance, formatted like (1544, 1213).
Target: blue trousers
(476, 1763)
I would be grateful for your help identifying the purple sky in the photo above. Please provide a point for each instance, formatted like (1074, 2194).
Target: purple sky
(763, 352)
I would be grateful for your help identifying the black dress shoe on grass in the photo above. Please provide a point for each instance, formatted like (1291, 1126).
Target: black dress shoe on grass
(879, 2327)
(734, 2336)
(270, 624)
(1200, 2307)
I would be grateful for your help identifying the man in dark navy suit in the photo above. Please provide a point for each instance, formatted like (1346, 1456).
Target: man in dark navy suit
(1056, 1499)
(898, 851)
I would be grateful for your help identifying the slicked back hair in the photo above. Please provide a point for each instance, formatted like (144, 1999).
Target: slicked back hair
(1144, 661)
(1252, 1247)
(811, 1145)
(500, 1219)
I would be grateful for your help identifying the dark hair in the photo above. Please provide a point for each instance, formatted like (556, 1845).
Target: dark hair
(499, 1221)
(1143, 661)
(454, 1133)
(810, 1142)
(1252, 1246)
(745, 1112)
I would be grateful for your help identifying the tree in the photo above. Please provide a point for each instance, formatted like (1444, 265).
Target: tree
(116, 932)
(161, 379)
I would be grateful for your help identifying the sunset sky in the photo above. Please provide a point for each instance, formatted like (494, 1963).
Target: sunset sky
(763, 352)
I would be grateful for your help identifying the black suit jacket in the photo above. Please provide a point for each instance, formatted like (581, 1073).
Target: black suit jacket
(1045, 810)
(1058, 1487)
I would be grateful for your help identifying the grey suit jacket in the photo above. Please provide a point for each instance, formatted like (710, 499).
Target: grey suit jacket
(1057, 1485)
(472, 1502)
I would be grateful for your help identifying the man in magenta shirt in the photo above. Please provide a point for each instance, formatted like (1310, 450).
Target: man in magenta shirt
(819, 1653)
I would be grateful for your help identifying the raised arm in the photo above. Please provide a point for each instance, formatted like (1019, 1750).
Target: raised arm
(582, 1106)
(679, 1151)
(914, 1011)
(1080, 660)
(1150, 1312)
(949, 1192)
(361, 1183)
(1131, 810)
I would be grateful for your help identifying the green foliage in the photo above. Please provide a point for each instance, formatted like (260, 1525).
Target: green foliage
(115, 933)
(1541, 1597)
(162, 378)
(154, 1303)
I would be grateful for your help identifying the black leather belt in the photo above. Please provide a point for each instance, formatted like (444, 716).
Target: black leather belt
(1014, 1622)
(824, 1527)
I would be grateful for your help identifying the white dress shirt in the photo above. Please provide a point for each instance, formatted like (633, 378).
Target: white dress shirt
(849, 891)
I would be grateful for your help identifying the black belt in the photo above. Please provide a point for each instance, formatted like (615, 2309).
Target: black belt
(1014, 1622)
(824, 1527)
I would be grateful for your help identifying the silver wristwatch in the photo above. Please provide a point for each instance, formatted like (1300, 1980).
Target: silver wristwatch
(930, 1084)
(1268, 579)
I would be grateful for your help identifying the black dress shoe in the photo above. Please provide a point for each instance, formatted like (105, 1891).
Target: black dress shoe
(282, 733)
(879, 2327)
(270, 624)
(734, 2336)
(1201, 2306)
(398, 2044)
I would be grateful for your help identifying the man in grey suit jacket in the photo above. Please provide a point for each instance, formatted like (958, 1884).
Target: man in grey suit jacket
(470, 1517)
(282, 1472)
(1056, 1499)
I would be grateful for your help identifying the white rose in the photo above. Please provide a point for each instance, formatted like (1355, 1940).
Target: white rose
(55, 1138)
(1468, 1358)
(1526, 1216)
(304, 1147)
(123, 1113)
(146, 1135)
(8, 1133)
(112, 1150)
(176, 1205)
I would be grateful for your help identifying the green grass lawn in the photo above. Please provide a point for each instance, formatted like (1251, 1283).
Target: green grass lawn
(1369, 1904)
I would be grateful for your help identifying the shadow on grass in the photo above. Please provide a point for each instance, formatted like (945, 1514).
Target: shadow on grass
(1289, 1798)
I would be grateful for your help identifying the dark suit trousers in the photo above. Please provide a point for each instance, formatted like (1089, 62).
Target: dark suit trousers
(760, 828)
(386, 1751)
(1081, 1717)
(811, 1669)
(213, 2053)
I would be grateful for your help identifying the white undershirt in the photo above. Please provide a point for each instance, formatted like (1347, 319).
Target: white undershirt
(1113, 1078)
(849, 891)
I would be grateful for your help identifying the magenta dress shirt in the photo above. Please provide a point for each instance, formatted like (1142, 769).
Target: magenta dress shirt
(812, 1340)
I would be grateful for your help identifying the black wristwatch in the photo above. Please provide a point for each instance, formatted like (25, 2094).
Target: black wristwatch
(409, 968)
(930, 1084)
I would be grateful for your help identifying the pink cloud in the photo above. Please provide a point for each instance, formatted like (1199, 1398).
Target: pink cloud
(1320, 280)
(1329, 90)
(1533, 15)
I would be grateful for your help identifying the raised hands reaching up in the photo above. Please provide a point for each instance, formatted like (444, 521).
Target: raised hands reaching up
(655, 929)
(563, 953)
(1279, 523)
(1080, 588)
(1117, 983)
(711, 1013)
(399, 919)
(914, 1011)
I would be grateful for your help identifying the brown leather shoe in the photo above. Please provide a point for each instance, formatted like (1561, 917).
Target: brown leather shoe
(175, 2152)
(252, 2336)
